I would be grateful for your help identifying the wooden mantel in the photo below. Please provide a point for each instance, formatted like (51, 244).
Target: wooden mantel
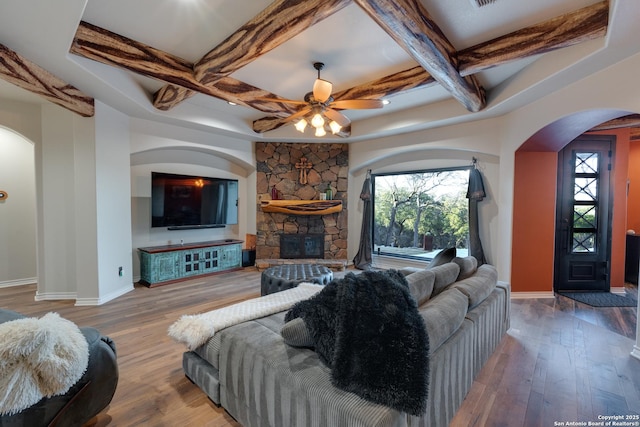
(302, 207)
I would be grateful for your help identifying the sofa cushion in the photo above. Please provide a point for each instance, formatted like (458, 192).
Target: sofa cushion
(468, 266)
(296, 334)
(445, 274)
(421, 285)
(443, 316)
(480, 285)
(442, 257)
(405, 271)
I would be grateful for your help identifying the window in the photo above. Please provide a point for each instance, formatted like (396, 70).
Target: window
(417, 214)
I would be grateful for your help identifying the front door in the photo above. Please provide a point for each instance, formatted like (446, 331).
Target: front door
(583, 217)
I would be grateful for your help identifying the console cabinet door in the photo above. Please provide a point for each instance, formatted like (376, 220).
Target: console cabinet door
(192, 262)
(231, 256)
(210, 261)
(160, 267)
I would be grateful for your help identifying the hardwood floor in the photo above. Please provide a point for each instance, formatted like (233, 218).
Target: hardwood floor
(560, 361)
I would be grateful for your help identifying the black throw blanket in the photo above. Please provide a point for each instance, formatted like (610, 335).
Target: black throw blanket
(368, 330)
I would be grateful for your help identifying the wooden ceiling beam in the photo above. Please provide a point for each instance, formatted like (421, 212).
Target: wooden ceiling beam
(576, 27)
(23, 73)
(279, 22)
(110, 48)
(629, 121)
(563, 31)
(409, 24)
(101, 45)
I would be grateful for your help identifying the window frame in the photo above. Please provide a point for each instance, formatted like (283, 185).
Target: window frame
(373, 206)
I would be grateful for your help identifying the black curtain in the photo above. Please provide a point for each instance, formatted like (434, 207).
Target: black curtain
(362, 260)
(475, 193)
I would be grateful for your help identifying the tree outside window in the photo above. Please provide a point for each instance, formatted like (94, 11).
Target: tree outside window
(417, 214)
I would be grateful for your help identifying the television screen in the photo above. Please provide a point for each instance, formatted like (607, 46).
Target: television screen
(192, 201)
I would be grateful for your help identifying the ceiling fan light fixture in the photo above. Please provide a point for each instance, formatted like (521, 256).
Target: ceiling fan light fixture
(317, 121)
(322, 90)
(335, 127)
(301, 125)
(320, 131)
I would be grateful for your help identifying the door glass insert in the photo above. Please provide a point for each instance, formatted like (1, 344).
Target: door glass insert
(585, 202)
(586, 189)
(584, 217)
(587, 163)
(584, 242)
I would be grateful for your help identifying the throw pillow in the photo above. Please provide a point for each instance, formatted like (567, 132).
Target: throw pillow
(468, 266)
(442, 257)
(421, 285)
(39, 358)
(446, 274)
(296, 334)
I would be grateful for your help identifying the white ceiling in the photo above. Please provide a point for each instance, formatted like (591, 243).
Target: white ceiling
(354, 49)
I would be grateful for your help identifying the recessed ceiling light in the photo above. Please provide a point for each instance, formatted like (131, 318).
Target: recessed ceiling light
(386, 102)
(231, 103)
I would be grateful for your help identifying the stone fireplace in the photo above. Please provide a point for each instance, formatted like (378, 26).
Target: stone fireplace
(276, 167)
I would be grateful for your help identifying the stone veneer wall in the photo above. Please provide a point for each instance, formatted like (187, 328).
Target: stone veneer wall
(276, 166)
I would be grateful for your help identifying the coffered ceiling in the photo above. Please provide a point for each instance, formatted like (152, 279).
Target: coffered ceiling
(182, 61)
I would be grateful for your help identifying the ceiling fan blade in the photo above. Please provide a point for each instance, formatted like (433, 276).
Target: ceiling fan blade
(322, 90)
(285, 101)
(337, 117)
(357, 104)
(300, 113)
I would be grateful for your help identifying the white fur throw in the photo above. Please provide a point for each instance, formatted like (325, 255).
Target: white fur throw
(194, 330)
(39, 358)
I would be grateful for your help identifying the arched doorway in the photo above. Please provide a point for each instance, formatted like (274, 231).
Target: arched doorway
(535, 189)
(18, 259)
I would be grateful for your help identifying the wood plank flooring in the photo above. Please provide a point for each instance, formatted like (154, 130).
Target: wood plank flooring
(561, 360)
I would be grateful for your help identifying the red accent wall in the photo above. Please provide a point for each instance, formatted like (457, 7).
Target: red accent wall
(534, 210)
(633, 204)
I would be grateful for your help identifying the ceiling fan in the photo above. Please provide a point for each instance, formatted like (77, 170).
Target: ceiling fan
(319, 104)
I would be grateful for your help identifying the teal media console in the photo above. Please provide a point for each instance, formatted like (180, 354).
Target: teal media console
(161, 265)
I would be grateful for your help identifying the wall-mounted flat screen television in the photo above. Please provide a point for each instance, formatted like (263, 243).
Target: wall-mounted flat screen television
(186, 201)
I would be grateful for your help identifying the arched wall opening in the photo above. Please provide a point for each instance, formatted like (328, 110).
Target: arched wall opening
(18, 261)
(534, 199)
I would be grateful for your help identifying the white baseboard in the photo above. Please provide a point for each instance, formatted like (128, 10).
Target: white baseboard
(530, 295)
(619, 291)
(19, 282)
(103, 299)
(51, 296)
(636, 352)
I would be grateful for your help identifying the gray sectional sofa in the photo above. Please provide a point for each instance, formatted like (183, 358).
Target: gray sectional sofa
(260, 380)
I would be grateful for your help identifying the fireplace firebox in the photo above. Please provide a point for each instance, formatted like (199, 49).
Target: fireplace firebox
(295, 246)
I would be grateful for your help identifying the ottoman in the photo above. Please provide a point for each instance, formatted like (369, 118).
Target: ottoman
(287, 276)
